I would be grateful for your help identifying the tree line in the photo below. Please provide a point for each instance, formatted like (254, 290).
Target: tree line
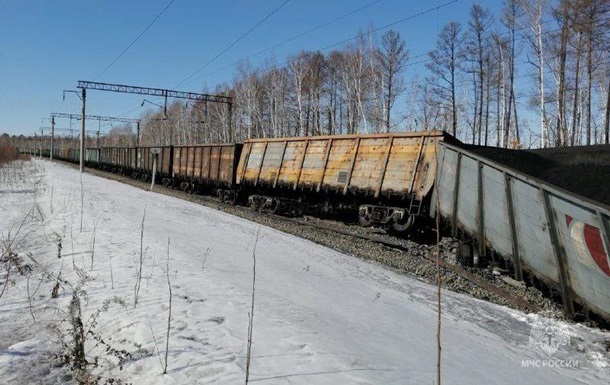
(535, 75)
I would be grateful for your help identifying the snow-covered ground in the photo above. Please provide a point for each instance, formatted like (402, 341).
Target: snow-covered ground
(320, 317)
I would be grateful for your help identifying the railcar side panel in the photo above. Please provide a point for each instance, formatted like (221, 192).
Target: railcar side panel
(209, 163)
(401, 164)
(557, 236)
(313, 164)
(496, 226)
(291, 163)
(370, 163)
(272, 161)
(197, 162)
(340, 158)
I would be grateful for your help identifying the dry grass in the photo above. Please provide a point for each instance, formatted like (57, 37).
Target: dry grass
(9, 154)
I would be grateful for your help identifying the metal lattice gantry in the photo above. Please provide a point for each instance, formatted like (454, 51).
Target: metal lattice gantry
(165, 93)
(92, 117)
(154, 92)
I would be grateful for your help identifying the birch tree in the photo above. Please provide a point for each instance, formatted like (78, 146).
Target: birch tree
(391, 59)
(444, 69)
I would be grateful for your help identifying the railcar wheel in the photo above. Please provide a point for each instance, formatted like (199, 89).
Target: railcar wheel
(232, 198)
(254, 202)
(403, 226)
(274, 207)
(465, 254)
(364, 219)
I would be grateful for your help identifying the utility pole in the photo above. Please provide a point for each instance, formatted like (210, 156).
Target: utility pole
(52, 137)
(41, 142)
(99, 126)
(138, 133)
(82, 134)
(231, 136)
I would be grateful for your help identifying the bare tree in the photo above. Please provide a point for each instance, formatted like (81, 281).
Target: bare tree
(592, 20)
(533, 15)
(298, 67)
(391, 59)
(511, 11)
(444, 68)
(476, 52)
(562, 13)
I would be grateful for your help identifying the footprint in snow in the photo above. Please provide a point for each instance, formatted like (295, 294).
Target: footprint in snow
(217, 320)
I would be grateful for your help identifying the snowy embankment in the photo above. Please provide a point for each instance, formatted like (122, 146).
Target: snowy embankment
(320, 317)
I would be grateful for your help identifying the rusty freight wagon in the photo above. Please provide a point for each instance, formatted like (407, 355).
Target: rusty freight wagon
(203, 168)
(118, 159)
(385, 178)
(145, 162)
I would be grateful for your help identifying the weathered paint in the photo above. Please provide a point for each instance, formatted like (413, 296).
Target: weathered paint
(386, 164)
(581, 241)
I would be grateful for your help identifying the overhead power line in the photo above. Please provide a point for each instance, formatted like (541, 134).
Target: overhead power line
(342, 42)
(295, 37)
(135, 40)
(232, 44)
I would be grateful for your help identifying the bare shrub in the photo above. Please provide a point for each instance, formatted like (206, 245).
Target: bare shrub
(169, 315)
(141, 264)
(82, 347)
(251, 315)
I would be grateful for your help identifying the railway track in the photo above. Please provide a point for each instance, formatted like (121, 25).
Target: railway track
(390, 251)
(444, 264)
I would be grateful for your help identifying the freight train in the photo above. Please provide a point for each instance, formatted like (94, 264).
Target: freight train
(506, 206)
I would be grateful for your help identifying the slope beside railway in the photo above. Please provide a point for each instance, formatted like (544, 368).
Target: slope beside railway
(409, 256)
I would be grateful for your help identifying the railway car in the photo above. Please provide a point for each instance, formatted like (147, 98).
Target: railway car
(206, 168)
(501, 203)
(384, 178)
(145, 163)
(118, 159)
(92, 156)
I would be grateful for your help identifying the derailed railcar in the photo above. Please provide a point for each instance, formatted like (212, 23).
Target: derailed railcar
(548, 234)
(205, 168)
(386, 178)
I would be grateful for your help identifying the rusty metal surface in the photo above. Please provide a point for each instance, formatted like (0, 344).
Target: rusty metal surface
(206, 163)
(379, 164)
